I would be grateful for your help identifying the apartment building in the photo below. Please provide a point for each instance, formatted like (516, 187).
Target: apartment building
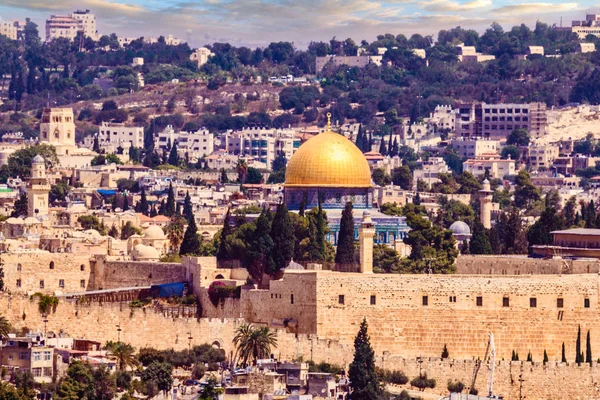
(263, 144)
(470, 54)
(113, 135)
(430, 170)
(29, 354)
(496, 166)
(542, 157)
(497, 121)
(590, 26)
(351, 61)
(443, 117)
(190, 145)
(472, 148)
(68, 26)
(11, 29)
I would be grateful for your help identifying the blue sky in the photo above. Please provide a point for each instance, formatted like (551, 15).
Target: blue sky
(259, 22)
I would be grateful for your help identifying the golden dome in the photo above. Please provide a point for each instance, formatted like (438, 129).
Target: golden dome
(328, 160)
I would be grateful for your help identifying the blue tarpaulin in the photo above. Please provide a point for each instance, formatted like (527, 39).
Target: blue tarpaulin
(107, 192)
(167, 290)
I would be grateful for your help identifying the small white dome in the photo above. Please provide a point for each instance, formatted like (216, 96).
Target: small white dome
(142, 252)
(460, 228)
(38, 159)
(154, 232)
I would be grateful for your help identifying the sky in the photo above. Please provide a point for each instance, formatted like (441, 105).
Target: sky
(259, 22)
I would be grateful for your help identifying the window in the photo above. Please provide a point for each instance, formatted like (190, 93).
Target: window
(36, 372)
(18, 267)
(586, 303)
(341, 299)
(61, 283)
(452, 299)
(505, 302)
(47, 355)
(42, 284)
(560, 303)
(18, 283)
(532, 302)
(425, 300)
(23, 355)
(82, 284)
(51, 264)
(373, 300)
(291, 296)
(36, 356)
(47, 371)
(479, 301)
(82, 267)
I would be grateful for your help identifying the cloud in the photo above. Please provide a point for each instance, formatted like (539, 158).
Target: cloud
(531, 8)
(454, 6)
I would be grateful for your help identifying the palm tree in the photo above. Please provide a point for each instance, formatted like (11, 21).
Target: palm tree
(175, 232)
(242, 170)
(253, 343)
(4, 331)
(124, 353)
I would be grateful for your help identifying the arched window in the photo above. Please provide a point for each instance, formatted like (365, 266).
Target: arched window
(51, 264)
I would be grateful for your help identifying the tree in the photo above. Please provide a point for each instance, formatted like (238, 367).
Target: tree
(588, 349)
(142, 205)
(259, 253)
(170, 207)
(223, 178)
(125, 202)
(540, 232)
(421, 382)
(518, 137)
(480, 243)
(578, 352)
(253, 177)
(188, 211)
(282, 233)
(159, 373)
(175, 232)
(174, 155)
(191, 242)
(129, 230)
(402, 176)
(113, 232)
(242, 170)
(20, 207)
(124, 353)
(59, 192)
(380, 178)
(224, 252)
(385, 259)
(364, 382)
(445, 353)
(345, 246)
(253, 343)
(96, 147)
(525, 192)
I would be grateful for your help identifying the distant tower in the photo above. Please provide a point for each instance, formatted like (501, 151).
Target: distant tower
(37, 189)
(485, 205)
(366, 232)
(57, 127)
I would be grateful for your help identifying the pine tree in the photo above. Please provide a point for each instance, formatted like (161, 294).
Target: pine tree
(142, 205)
(188, 211)
(345, 246)
(578, 353)
(364, 382)
(588, 349)
(191, 242)
(173, 155)
(564, 354)
(545, 356)
(96, 147)
(480, 243)
(125, 202)
(282, 233)
(170, 210)
(445, 353)
(223, 253)
(113, 232)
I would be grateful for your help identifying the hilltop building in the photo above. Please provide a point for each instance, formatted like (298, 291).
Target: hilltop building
(68, 26)
(263, 144)
(12, 29)
(330, 167)
(351, 61)
(200, 56)
(591, 26)
(190, 145)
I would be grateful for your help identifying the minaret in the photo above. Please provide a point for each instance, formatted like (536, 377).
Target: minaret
(366, 232)
(37, 189)
(485, 205)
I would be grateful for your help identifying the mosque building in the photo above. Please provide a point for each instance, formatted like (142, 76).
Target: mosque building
(329, 166)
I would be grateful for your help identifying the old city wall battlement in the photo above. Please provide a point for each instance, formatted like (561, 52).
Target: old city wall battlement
(522, 265)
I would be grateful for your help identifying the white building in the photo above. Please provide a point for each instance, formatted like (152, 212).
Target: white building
(263, 144)
(137, 61)
(472, 148)
(200, 56)
(10, 29)
(497, 167)
(111, 136)
(591, 26)
(169, 40)
(190, 145)
(70, 25)
(430, 170)
(444, 117)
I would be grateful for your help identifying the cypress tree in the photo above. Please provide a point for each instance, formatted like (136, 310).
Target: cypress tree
(170, 208)
(224, 178)
(153, 212)
(259, 257)
(115, 203)
(382, 147)
(578, 353)
(545, 356)
(345, 246)
(588, 349)
(480, 243)
(188, 211)
(359, 137)
(302, 207)
(142, 205)
(162, 208)
(125, 202)
(389, 146)
(113, 232)
(564, 354)
(364, 382)
(282, 233)
(191, 242)
(173, 155)
(320, 236)
(395, 148)
(369, 143)
(96, 147)
(223, 253)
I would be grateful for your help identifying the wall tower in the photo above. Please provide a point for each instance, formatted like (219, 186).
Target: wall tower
(366, 232)
(485, 205)
(37, 189)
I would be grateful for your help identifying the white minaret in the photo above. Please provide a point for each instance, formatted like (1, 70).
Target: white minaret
(366, 233)
(485, 205)
(37, 189)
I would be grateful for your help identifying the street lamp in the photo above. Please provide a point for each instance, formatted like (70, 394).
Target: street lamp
(119, 333)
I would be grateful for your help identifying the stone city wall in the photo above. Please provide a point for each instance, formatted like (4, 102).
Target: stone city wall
(521, 265)
(118, 274)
